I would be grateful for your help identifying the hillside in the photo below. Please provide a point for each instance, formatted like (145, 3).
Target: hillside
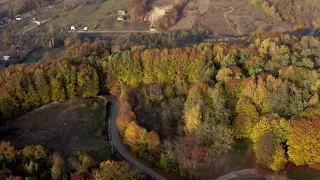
(302, 13)
(221, 106)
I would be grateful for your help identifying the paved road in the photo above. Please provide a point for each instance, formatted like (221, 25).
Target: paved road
(116, 141)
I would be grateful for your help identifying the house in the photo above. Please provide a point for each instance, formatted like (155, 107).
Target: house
(85, 29)
(73, 28)
(5, 58)
(121, 13)
(120, 18)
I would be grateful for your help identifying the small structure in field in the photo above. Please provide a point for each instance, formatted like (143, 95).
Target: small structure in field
(6, 58)
(73, 28)
(120, 18)
(85, 29)
(121, 13)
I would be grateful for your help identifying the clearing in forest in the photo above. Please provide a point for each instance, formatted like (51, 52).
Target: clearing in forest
(74, 125)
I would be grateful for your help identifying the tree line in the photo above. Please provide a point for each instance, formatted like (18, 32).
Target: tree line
(267, 92)
(301, 13)
(26, 87)
(36, 162)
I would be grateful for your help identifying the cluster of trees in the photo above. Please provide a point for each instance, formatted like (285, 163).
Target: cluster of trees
(267, 92)
(137, 9)
(170, 18)
(142, 142)
(301, 13)
(26, 87)
(35, 162)
(21, 6)
(267, 8)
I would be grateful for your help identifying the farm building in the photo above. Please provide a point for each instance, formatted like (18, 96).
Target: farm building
(121, 13)
(5, 58)
(73, 28)
(120, 18)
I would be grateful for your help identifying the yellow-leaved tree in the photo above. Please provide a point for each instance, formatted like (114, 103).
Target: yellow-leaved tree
(193, 118)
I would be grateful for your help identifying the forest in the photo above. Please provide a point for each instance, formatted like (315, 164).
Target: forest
(205, 98)
(302, 13)
(36, 162)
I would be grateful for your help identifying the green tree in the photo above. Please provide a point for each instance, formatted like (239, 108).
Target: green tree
(218, 138)
(168, 162)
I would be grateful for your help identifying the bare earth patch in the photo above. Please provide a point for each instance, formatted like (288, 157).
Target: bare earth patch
(227, 17)
(74, 125)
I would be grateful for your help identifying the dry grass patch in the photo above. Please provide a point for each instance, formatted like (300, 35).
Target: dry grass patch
(74, 125)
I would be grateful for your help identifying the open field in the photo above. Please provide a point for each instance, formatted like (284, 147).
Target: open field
(227, 17)
(97, 16)
(39, 55)
(74, 125)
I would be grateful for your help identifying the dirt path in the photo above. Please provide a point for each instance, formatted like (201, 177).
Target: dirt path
(225, 15)
(116, 142)
(115, 32)
(245, 174)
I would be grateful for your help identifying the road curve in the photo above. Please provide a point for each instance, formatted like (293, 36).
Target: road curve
(116, 142)
(225, 15)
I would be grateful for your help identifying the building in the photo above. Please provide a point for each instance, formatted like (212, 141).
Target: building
(121, 13)
(85, 28)
(120, 18)
(6, 58)
(73, 28)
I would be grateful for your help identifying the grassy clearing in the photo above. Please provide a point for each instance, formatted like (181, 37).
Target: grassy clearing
(43, 54)
(240, 157)
(33, 56)
(96, 16)
(247, 24)
(74, 125)
(307, 175)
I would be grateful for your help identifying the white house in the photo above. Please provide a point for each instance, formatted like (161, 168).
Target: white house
(5, 58)
(85, 28)
(120, 18)
(121, 13)
(73, 28)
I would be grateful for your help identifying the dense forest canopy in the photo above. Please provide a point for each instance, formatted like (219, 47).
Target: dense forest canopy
(266, 92)
(302, 13)
(36, 162)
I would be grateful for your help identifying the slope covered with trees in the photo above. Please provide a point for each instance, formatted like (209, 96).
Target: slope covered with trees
(201, 98)
(302, 13)
(36, 162)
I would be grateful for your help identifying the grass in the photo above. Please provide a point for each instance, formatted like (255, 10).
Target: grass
(34, 56)
(74, 125)
(94, 15)
(309, 175)
(39, 55)
(247, 24)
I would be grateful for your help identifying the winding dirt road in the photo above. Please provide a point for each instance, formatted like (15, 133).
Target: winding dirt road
(116, 142)
(225, 15)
